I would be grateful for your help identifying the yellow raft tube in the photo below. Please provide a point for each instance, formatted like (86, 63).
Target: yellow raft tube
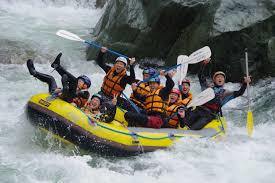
(70, 123)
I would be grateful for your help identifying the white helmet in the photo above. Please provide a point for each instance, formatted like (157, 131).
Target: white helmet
(122, 59)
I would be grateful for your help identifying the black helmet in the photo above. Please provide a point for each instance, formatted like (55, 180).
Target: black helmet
(97, 96)
(182, 107)
(85, 79)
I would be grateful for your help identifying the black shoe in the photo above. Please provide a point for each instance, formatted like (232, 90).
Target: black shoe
(56, 62)
(31, 67)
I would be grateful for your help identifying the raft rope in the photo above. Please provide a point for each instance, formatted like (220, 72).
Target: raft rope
(135, 135)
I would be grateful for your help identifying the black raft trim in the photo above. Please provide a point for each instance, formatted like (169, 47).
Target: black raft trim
(57, 124)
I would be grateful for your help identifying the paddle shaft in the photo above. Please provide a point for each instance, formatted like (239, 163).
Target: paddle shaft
(73, 37)
(247, 75)
(91, 43)
(132, 103)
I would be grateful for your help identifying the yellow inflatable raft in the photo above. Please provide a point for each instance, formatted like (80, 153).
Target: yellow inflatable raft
(71, 124)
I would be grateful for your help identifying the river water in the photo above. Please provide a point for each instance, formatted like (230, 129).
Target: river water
(27, 30)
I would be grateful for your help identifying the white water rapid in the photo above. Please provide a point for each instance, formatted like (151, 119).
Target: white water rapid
(27, 30)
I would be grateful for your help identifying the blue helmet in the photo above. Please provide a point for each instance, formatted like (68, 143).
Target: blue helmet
(154, 79)
(150, 71)
(85, 79)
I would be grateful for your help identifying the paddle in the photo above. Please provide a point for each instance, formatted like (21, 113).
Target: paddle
(203, 97)
(200, 55)
(249, 118)
(194, 58)
(182, 70)
(183, 66)
(71, 36)
(131, 103)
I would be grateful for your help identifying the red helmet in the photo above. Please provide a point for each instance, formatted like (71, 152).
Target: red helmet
(176, 91)
(186, 81)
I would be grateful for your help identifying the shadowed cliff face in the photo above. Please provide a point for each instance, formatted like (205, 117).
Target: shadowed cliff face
(164, 29)
(100, 3)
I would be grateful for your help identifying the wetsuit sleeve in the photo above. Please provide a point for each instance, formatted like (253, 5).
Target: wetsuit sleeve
(241, 91)
(164, 92)
(109, 113)
(132, 77)
(231, 95)
(182, 122)
(99, 61)
(202, 77)
(129, 79)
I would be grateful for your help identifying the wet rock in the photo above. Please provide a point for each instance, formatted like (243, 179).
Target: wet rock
(100, 3)
(165, 29)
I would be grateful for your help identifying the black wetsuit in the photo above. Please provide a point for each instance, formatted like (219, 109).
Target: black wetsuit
(202, 115)
(69, 83)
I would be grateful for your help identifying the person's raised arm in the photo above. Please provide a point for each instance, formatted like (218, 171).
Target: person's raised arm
(99, 59)
(243, 87)
(201, 75)
(169, 85)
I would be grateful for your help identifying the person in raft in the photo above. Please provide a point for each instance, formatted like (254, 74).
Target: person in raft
(184, 88)
(116, 79)
(74, 91)
(155, 103)
(175, 110)
(95, 110)
(143, 87)
(199, 117)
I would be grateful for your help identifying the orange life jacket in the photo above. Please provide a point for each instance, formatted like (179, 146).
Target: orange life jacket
(173, 119)
(186, 100)
(142, 89)
(79, 101)
(111, 83)
(154, 103)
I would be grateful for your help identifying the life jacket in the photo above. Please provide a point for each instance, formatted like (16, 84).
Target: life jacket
(187, 99)
(215, 104)
(154, 103)
(173, 119)
(142, 89)
(80, 101)
(111, 83)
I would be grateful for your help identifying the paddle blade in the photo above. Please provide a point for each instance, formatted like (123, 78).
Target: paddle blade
(249, 123)
(182, 59)
(182, 70)
(68, 35)
(199, 55)
(202, 98)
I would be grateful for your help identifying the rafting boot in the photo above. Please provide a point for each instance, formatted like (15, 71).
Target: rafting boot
(31, 67)
(56, 62)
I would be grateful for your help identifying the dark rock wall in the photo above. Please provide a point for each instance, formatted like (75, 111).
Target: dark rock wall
(165, 29)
